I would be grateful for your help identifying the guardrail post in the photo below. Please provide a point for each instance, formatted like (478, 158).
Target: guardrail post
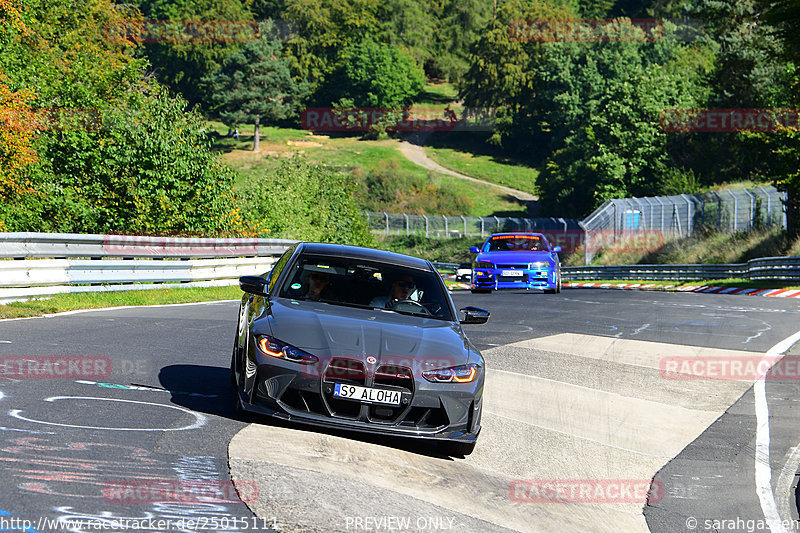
(497, 225)
(483, 231)
(446, 232)
(407, 228)
(465, 224)
(387, 222)
(426, 225)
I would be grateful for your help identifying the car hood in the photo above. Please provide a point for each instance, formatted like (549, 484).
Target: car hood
(510, 258)
(339, 331)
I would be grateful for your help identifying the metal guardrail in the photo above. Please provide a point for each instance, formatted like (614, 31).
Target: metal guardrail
(55, 245)
(170, 262)
(767, 268)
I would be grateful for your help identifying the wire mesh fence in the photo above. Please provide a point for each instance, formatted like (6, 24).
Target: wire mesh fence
(679, 216)
(449, 227)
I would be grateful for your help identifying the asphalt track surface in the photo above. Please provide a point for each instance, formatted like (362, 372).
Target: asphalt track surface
(574, 393)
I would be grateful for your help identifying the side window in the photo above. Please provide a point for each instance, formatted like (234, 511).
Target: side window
(275, 273)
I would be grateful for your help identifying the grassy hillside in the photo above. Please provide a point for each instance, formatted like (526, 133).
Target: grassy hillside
(703, 247)
(359, 157)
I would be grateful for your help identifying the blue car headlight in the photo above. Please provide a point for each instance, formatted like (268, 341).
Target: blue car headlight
(482, 264)
(539, 265)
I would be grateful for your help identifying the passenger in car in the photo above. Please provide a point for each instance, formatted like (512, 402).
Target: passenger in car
(316, 285)
(402, 288)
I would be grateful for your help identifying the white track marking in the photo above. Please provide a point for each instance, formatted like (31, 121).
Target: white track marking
(200, 420)
(763, 471)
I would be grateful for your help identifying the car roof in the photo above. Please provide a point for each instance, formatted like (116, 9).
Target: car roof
(367, 254)
(522, 233)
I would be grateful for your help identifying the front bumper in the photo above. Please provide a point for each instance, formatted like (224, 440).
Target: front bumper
(526, 279)
(436, 411)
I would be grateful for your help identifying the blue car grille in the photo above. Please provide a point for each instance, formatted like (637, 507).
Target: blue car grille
(513, 266)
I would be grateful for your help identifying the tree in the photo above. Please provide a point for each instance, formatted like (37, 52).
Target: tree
(585, 106)
(371, 74)
(255, 85)
(181, 59)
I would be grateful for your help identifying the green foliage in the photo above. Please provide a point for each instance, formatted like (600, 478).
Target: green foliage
(255, 84)
(437, 250)
(388, 188)
(304, 200)
(147, 170)
(323, 28)
(183, 65)
(136, 162)
(375, 75)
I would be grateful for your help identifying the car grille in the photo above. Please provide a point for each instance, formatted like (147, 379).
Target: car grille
(391, 377)
(521, 279)
(513, 266)
(348, 371)
(354, 372)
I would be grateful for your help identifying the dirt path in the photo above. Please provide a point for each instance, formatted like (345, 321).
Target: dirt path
(416, 154)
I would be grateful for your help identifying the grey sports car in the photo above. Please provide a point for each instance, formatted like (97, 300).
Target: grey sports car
(361, 339)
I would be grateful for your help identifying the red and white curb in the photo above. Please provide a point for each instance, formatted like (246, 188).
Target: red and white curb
(779, 293)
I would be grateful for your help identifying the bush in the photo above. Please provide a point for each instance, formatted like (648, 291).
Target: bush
(146, 169)
(306, 201)
(387, 188)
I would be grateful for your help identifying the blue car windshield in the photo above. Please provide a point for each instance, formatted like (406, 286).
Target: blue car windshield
(516, 243)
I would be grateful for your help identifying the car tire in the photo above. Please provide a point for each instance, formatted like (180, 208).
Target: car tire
(550, 291)
(459, 448)
(232, 375)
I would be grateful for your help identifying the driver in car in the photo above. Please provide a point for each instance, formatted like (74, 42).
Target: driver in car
(402, 288)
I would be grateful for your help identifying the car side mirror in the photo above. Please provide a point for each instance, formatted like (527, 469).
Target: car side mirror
(474, 315)
(253, 285)
(556, 249)
(474, 249)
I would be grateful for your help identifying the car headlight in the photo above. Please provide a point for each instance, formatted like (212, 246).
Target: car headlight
(539, 265)
(454, 374)
(280, 350)
(482, 264)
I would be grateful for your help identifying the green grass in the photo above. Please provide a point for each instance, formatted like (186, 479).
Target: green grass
(96, 300)
(437, 93)
(348, 153)
(703, 247)
(486, 168)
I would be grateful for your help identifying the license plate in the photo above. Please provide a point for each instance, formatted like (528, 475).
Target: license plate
(366, 394)
(512, 273)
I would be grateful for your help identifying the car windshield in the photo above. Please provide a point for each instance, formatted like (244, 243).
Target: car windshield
(516, 243)
(368, 284)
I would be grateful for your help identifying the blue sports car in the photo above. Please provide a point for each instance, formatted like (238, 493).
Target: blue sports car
(516, 261)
